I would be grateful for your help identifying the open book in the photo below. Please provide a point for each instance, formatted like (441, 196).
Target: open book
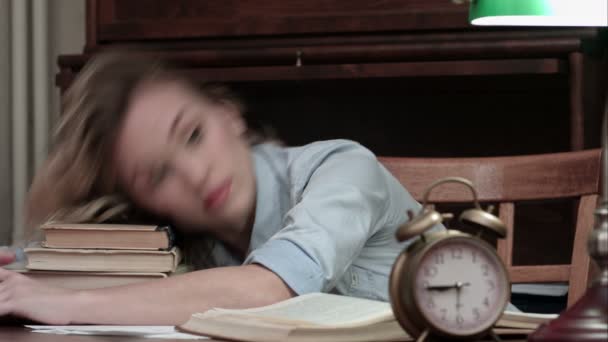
(320, 317)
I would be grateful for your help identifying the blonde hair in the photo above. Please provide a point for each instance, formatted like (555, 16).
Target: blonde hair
(75, 184)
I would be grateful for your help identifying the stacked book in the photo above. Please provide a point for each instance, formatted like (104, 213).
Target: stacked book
(85, 256)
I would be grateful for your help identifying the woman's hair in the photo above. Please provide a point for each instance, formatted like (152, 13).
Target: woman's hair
(75, 183)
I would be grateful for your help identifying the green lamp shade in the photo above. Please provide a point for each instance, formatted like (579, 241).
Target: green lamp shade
(539, 12)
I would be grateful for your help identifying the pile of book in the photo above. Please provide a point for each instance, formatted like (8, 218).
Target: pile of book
(85, 256)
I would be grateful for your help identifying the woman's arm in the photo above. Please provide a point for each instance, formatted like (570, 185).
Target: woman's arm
(167, 301)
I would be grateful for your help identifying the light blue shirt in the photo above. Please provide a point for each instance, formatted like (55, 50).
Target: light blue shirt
(326, 216)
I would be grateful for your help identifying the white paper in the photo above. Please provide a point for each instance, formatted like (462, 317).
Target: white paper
(146, 331)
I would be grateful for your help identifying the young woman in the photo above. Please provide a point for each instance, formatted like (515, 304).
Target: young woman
(259, 222)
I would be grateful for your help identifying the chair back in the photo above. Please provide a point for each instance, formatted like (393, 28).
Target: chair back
(507, 180)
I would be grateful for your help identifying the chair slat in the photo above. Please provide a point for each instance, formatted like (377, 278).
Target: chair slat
(505, 246)
(539, 273)
(580, 257)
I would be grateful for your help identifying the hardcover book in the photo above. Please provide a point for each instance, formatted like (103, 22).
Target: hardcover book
(90, 280)
(107, 236)
(102, 260)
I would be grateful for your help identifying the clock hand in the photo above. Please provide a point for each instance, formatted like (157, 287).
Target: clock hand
(456, 285)
(459, 285)
(440, 287)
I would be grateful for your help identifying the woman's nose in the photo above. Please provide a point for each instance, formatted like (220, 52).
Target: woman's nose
(193, 172)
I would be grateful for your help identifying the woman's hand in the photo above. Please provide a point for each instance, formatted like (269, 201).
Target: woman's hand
(28, 298)
(6, 256)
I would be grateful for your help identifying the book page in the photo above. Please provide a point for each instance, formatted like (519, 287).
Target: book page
(523, 320)
(321, 309)
(97, 226)
(525, 317)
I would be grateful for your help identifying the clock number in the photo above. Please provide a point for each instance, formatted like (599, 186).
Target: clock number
(486, 302)
(430, 271)
(439, 259)
(476, 314)
(459, 320)
(491, 285)
(444, 314)
(457, 253)
(485, 269)
(474, 255)
(430, 304)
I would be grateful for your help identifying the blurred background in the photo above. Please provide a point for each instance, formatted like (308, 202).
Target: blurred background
(32, 34)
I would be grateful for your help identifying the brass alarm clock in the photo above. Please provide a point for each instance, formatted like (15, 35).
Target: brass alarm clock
(449, 284)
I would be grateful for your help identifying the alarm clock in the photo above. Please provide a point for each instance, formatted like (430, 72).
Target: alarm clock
(449, 284)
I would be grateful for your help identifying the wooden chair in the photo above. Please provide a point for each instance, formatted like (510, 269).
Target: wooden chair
(507, 180)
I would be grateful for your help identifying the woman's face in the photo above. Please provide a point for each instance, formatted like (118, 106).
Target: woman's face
(185, 157)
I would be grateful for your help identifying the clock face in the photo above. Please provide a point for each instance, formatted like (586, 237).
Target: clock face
(461, 287)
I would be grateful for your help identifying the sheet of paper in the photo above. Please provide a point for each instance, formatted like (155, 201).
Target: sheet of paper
(146, 331)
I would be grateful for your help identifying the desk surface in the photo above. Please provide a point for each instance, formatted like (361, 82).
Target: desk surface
(21, 334)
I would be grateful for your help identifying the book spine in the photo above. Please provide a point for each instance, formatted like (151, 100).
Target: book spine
(170, 235)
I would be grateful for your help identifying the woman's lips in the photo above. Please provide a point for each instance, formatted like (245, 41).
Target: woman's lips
(218, 196)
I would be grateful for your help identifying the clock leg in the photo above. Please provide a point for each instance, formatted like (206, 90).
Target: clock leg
(494, 336)
(423, 336)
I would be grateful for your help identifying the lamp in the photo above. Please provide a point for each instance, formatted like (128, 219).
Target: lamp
(587, 319)
(539, 12)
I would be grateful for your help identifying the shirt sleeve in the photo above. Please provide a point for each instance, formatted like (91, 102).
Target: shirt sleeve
(341, 206)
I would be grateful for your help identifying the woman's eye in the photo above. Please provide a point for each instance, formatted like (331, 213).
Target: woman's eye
(195, 136)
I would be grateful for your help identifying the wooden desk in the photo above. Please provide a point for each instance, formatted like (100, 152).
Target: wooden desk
(20, 334)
